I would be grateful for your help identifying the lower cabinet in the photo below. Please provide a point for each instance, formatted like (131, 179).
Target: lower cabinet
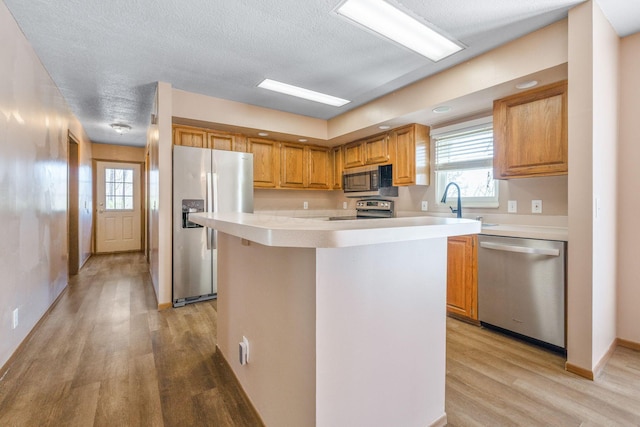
(462, 277)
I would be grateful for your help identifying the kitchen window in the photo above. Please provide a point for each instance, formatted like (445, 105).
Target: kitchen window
(464, 155)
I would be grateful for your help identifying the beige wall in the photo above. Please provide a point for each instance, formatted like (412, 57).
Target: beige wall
(629, 196)
(34, 123)
(118, 153)
(593, 58)
(159, 143)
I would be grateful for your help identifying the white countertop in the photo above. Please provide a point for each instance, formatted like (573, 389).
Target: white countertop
(272, 230)
(527, 231)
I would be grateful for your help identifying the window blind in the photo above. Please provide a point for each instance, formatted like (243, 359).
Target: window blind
(465, 148)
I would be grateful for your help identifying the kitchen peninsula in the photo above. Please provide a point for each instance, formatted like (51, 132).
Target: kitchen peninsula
(345, 320)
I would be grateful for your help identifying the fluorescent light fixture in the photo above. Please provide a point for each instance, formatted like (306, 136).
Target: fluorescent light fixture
(392, 23)
(300, 92)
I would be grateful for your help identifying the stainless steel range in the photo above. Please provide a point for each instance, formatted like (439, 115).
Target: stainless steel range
(370, 208)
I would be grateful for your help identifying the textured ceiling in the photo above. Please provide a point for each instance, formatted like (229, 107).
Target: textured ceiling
(105, 56)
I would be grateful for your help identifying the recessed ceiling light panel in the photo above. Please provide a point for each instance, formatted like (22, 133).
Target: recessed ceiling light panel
(527, 85)
(394, 24)
(442, 109)
(300, 92)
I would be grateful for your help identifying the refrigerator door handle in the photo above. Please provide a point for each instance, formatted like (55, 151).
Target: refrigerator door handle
(212, 195)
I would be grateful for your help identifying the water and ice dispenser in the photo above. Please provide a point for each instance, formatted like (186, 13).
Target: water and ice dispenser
(191, 206)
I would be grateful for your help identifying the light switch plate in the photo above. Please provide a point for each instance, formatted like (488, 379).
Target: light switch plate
(512, 206)
(425, 205)
(536, 206)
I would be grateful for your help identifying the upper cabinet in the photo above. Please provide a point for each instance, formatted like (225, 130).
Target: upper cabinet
(336, 162)
(376, 150)
(530, 133)
(353, 154)
(190, 137)
(319, 170)
(409, 148)
(292, 165)
(207, 138)
(266, 162)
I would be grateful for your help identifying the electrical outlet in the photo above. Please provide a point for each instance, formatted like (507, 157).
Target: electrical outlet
(305, 205)
(344, 205)
(512, 206)
(536, 206)
(425, 205)
(14, 323)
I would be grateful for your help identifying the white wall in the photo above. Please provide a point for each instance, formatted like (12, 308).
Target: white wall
(629, 196)
(593, 47)
(34, 123)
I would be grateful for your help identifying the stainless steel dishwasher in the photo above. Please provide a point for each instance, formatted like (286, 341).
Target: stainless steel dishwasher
(521, 287)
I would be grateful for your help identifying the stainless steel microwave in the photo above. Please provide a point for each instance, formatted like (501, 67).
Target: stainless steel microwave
(369, 181)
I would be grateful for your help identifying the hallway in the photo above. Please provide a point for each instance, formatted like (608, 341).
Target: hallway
(106, 357)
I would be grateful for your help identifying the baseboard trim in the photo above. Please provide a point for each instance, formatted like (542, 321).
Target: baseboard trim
(629, 344)
(605, 359)
(591, 375)
(228, 372)
(21, 346)
(164, 306)
(574, 369)
(440, 422)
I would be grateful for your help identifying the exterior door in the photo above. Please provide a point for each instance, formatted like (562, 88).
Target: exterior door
(119, 221)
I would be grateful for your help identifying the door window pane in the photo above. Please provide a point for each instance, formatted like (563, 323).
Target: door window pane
(118, 189)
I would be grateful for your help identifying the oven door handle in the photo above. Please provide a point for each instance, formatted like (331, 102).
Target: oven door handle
(520, 249)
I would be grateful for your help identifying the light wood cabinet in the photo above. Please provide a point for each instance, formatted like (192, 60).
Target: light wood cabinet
(266, 162)
(530, 133)
(353, 154)
(376, 150)
(208, 138)
(292, 165)
(409, 147)
(336, 157)
(462, 277)
(318, 167)
(220, 141)
(190, 137)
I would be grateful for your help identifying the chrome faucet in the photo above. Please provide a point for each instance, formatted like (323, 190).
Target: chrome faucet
(457, 211)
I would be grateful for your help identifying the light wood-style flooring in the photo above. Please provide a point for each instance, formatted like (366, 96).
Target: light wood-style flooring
(106, 356)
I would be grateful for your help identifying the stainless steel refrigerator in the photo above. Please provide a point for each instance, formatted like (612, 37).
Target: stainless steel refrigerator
(204, 180)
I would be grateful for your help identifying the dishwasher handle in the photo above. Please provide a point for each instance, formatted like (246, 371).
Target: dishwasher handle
(520, 249)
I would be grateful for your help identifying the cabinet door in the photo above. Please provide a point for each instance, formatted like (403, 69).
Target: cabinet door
(353, 154)
(240, 144)
(221, 141)
(190, 137)
(292, 165)
(336, 156)
(409, 149)
(376, 150)
(530, 133)
(266, 162)
(318, 167)
(462, 277)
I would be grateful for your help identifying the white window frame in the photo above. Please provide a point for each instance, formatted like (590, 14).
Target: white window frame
(471, 202)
